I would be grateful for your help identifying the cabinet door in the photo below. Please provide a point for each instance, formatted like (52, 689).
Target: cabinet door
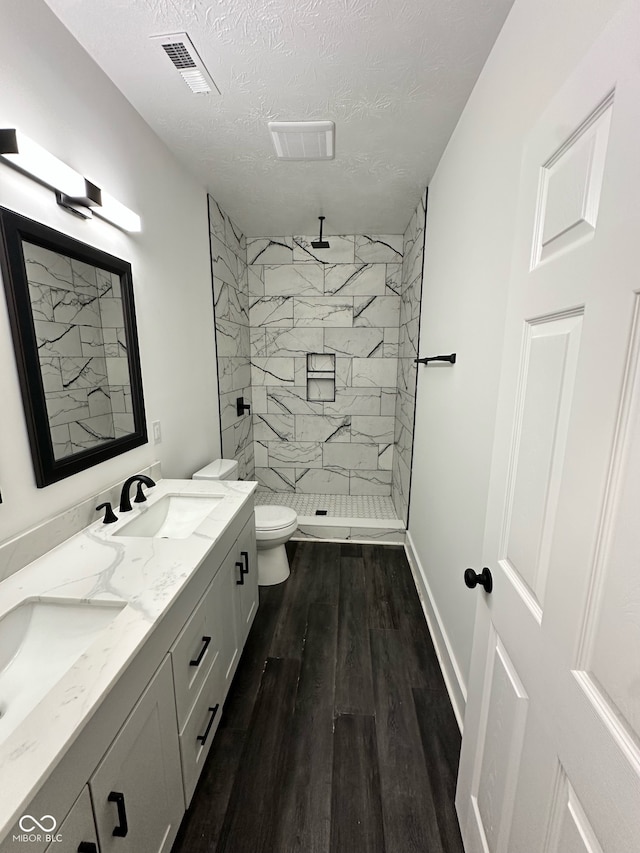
(77, 833)
(247, 592)
(224, 612)
(137, 788)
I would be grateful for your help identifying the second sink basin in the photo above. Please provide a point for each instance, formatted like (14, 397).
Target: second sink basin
(172, 517)
(40, 640)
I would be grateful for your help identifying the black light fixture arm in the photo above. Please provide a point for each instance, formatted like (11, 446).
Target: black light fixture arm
(450, 358)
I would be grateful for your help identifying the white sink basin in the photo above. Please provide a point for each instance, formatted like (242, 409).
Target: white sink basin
(172, 517)
(40, 640)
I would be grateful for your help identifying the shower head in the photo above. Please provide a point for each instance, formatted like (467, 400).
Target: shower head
(320, 243)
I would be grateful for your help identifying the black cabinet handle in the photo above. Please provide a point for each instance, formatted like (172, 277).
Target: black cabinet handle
(245, 557)
(205, 646)
(202, 738)
(123, 827)
(472, 579)
(87, 847)
(241, 581)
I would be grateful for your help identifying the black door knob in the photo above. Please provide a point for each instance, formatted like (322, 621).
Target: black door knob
(472, 579)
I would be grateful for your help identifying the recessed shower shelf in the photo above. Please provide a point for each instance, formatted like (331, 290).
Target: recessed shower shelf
(321, 377)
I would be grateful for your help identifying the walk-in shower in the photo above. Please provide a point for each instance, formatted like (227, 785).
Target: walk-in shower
(321, 343)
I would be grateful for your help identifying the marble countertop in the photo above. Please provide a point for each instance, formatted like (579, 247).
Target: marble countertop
(148, 575)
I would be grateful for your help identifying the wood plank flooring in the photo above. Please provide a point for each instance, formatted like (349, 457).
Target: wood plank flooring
(337, 735)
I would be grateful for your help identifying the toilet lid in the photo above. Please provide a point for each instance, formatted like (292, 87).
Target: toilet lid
(273, 517)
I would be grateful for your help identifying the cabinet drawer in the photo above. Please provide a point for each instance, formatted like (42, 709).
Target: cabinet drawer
(199, 730)
(192, 656)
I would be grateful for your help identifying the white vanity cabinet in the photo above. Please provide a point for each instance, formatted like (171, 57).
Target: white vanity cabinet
(77, 833)
(137, 761)
(137, 787)
(206, 654)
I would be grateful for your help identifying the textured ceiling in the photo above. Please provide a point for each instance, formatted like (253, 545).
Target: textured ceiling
(393, 75)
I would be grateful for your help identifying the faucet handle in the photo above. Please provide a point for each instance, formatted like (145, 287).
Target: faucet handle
(109, 515)
(140, 495)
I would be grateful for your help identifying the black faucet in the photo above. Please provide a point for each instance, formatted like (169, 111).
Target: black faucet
(125, 499)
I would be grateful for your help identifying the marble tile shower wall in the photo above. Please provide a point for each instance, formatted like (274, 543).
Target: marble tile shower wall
(346, 301)
(410, 296)
(231, 304)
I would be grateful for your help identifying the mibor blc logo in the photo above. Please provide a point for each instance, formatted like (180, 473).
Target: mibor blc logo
(46, 826)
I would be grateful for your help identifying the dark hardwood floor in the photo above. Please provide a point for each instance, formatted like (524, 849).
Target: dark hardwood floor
(337, 735)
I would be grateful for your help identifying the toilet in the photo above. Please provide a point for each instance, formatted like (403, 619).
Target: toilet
(275, 525)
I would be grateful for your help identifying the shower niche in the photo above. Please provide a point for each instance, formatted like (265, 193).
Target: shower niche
(321, 377)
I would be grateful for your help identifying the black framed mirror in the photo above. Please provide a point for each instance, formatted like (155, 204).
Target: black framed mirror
(73, 322)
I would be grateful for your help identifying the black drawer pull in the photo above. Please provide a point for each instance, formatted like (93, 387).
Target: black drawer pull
(123, 827)
(202, 738)
(241, 581)
(245, 557)
(87, 847)
(205, 646)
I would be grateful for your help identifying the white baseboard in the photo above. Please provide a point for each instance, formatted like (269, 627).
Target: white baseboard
(450, 671)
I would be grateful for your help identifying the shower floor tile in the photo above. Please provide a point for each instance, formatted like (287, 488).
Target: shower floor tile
(336, 506)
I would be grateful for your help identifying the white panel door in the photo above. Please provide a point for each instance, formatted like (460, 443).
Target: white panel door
(550, 757)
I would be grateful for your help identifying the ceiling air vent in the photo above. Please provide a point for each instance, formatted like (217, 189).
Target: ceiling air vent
(180, 50)
(303, 140)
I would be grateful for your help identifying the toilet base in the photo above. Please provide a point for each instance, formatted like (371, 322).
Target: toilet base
(273, 565)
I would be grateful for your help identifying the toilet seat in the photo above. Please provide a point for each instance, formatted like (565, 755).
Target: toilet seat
(272, 518)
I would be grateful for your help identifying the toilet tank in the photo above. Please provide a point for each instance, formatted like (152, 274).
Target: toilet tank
(221, 469)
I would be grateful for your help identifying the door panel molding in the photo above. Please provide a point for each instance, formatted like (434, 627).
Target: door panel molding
(570, 187)
(548, 366)
(500, 743)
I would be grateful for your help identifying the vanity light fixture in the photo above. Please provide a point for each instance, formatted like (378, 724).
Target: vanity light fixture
(73, 191)
(29, 157)
(115, 212)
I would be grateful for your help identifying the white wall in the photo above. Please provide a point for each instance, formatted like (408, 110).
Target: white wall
(56, 94)
(472, 203)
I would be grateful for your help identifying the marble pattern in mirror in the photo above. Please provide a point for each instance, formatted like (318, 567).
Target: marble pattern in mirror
(72, 316)
(81, 340)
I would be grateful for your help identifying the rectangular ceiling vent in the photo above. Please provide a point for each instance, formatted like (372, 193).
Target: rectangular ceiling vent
(303, 140)
(180, 50)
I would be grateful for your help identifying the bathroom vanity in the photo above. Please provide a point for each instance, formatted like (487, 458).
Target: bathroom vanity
(144, 621)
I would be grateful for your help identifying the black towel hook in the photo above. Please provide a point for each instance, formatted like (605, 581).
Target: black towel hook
(450, 358)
